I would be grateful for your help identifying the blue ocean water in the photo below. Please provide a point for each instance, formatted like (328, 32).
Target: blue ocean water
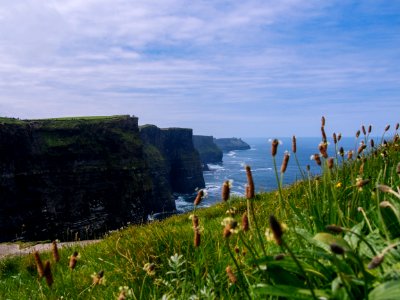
(260, 160)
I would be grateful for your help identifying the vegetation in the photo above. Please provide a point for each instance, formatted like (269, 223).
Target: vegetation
(333, 236)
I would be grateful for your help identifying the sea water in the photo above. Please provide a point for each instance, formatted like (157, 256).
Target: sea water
(260, 160)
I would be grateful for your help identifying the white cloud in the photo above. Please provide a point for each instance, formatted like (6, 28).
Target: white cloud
(76, 57)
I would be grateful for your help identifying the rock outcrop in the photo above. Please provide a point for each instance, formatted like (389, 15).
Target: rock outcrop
(208, 150)
(229, 144)
(79, 177)
(171, 155)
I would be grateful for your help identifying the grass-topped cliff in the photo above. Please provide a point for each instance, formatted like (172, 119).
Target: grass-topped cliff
(82, 176)
(333, 236)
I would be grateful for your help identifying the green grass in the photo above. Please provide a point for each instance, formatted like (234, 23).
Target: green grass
(306, 261)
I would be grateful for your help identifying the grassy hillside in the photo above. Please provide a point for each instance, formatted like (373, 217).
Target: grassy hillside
(289, 252)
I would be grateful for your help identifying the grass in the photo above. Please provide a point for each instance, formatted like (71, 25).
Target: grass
(356, 257)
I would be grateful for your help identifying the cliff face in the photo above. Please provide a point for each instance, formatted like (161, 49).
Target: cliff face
(65, 177)
(170, 154)
(208, 150)
(229, 144)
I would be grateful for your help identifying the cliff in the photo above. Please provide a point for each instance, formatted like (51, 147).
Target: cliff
(83, 176)
(171, 155)
(229, 144)
(208, 150)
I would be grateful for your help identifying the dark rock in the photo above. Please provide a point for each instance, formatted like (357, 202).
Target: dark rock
(170, 152)
(208, 150)
(230, 144)
(80, 177)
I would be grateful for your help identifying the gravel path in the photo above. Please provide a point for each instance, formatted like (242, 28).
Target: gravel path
(13, 249)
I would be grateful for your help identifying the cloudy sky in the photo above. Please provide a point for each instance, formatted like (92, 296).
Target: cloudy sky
(249, 68)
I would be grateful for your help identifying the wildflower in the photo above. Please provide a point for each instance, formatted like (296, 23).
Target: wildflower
(317, 158)
(372, 143)
(195, 221)
(226, 189)
(269, 235)
(361, 148)
(330, 162)
(274, 148)
(337, 249)
(149, 268)
(230, 226)
(361, 182)
(339, 137)
(197, 238)
(98, 278)
(357, 134)
(363, 130)
(369, 129)
(376, 261)
(387, 128)
(200, 195)
(334, 138)
(384, 188)
(279, 256)
(323, 135)
(250, 184)
(54, 251)
(285, 162)
(334, 228)
(341, 152)
(338, 185)
(323, 121)
(39, 264)
(397, 126)
(385, 204)
(308, 168)
(47, 274)
(231, 211)
(245, 222)
(73, 260)
(276, 229)
(232, 278)
(349, 155)
(294, 144)
(125, 293)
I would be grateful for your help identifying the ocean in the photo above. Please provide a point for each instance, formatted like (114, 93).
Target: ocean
(260, 160)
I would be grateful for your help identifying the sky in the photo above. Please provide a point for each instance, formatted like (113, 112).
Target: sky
(249, 68)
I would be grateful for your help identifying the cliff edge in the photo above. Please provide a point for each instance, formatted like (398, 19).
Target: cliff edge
(230, 144)
(74, 178)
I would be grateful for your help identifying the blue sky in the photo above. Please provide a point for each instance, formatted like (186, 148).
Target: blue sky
(224, 68)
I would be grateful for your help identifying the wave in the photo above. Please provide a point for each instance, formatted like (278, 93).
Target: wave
(215, 167)
(231, 153)
(182, 205)
(212, 188)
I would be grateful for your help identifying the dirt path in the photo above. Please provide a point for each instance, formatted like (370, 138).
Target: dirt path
(14, 249)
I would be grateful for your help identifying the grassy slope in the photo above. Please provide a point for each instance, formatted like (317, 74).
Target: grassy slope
(334, 198)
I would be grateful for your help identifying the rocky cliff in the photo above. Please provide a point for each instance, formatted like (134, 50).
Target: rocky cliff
(172, 159)
(208, 150)
(65, 177)
(229, 144)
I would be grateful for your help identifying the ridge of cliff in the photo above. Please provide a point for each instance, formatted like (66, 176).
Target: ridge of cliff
(208, 150)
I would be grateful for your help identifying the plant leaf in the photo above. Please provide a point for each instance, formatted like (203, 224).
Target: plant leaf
(287, 291)
(386, 291)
